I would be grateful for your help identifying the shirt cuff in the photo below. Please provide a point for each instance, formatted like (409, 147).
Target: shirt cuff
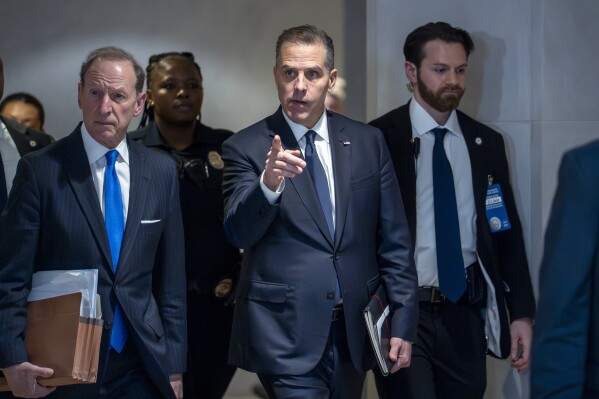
(271, 196)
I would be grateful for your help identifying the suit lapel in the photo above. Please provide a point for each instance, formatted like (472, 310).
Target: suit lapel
(138, 188)
(18, 133)
(302, 183)
(341, 152)
(78, 172)
(402, 151)
(478, 164)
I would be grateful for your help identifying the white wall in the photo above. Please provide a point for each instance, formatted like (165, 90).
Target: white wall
(44, 43)
(566, 113)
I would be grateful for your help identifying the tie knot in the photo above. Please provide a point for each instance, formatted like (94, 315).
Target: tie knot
(439, 133)
(310, 135)
(111, 157)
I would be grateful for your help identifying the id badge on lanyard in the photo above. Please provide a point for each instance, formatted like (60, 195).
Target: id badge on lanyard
(495, 208)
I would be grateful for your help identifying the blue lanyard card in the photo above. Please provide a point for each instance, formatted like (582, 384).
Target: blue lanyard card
(495, 209)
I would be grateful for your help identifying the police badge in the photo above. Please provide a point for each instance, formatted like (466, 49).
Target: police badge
(215, 160)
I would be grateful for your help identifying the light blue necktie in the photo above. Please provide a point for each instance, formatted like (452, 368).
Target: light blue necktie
(115, 226)
(319, 179)
(450, 262)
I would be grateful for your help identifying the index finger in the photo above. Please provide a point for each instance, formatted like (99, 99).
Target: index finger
(276, 144)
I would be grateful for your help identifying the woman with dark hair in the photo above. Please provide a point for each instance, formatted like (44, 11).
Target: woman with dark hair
(171, 124)
(25, 109)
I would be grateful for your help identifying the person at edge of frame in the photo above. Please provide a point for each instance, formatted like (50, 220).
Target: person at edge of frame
(99, 200)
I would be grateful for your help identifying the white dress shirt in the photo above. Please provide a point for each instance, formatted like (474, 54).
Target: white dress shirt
(10, 156)
(425, 254)
(96, 155)
(323, 149)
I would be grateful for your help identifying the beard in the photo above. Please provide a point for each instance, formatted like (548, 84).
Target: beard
(437, 100)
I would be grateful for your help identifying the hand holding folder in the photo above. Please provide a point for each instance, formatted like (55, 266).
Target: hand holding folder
(376, 316)
(61, 335)
(23, 379)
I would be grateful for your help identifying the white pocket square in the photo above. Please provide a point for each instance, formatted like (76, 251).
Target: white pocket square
(150, 221)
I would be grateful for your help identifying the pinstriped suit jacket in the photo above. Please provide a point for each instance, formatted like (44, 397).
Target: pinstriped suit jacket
(53, 221)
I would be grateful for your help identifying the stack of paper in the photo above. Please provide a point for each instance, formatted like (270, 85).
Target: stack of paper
(64, 328)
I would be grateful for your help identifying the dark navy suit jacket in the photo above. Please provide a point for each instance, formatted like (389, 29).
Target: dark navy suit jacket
(288, 278)
(53, 221)
(565, 358)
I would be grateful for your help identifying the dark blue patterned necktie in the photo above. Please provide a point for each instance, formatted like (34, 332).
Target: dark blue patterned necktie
(450, 262)
(115, 226)
(319, 179)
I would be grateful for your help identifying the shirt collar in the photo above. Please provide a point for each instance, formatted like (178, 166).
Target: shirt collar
(423, 123)
(321, 128)
(3, 127)
(96, 151)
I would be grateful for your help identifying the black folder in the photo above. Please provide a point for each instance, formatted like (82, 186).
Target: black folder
(377, 318)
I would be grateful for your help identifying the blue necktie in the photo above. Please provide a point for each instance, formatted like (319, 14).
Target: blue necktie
(319, 179)
(115, 226)
(450, 262)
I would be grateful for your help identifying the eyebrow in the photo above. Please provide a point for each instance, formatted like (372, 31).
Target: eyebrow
(189, 79)
(448, 66)
(314, 66)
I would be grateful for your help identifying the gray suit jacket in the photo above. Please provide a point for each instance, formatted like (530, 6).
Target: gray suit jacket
(53, 221)
(288, 278)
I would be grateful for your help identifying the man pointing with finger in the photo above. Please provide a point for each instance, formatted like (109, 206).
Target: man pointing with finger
(322, 225)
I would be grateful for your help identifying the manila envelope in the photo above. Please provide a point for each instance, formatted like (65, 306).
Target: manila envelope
(57, 337)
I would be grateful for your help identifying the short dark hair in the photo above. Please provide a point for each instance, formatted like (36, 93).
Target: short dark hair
(114, 54)
(307, 34)
(148, 114)
(413, 48)
(27, 99)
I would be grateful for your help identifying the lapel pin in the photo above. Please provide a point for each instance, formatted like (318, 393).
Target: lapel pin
(478, 141)
(32, 143)
(346, 143)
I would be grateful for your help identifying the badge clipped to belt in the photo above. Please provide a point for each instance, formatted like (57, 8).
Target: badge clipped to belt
(495, 208)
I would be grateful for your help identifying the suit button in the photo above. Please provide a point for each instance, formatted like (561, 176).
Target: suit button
(337, 255)
(107, 325)
(331, 294)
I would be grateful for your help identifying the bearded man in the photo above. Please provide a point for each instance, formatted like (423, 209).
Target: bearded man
(475, 295)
